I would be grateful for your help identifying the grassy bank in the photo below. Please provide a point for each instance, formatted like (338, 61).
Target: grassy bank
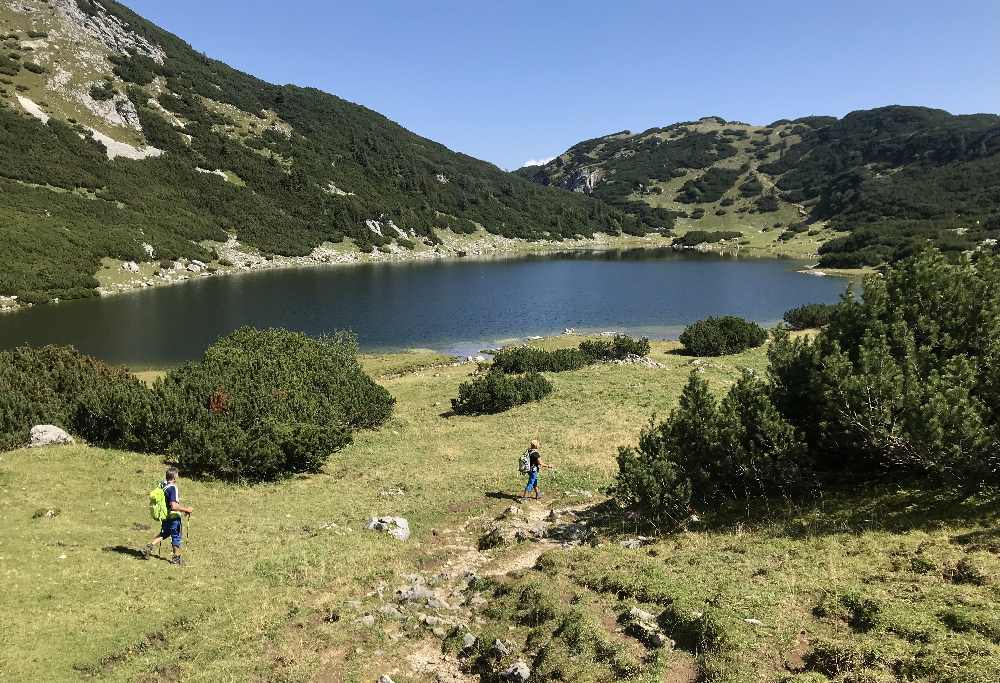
(280, 576)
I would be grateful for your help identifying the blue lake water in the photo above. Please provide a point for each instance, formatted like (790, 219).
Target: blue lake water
(459, 306)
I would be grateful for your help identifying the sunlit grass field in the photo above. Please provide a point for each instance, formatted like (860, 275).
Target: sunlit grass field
(267, 565)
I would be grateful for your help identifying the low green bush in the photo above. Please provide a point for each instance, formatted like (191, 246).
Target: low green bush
(618, 347)
(34, 67)
(496, 392)
(809, 316)
(58, 385)
(708, 452)
(521, 359)
(102, 92)
(263, 404)
(722, 336)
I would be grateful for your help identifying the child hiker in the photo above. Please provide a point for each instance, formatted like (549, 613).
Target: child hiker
(170, 526)
(535, 464)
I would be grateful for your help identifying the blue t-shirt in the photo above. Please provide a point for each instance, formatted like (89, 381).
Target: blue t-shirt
(170, 493)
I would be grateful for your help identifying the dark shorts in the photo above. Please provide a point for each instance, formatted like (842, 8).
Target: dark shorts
(171, 528)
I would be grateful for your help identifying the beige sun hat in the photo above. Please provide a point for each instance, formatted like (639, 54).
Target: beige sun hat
(534, 444)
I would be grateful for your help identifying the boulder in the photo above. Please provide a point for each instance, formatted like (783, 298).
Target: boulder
(499, 649)
(468, 641)
(511, 511)
(415, 592)
(642, 626)
(384, 678)
(518, 672)
(48, 435)
(130, 267)
(397, 527)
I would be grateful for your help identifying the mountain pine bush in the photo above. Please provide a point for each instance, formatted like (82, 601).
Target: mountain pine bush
(808, 316)
(58, 385)
(262, 404)
(496, 392)
(617, 348)
(522, 359)
(904, 380)
(722, 336)
(708, 453)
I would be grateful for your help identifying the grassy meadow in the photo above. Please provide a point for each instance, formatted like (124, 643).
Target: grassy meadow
(895, 585)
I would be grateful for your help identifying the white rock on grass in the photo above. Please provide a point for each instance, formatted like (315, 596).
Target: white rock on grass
(397, 527)
(517, 673)
(49, 435)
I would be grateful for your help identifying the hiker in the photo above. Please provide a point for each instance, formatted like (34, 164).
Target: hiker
(533, 459)
(170, 526)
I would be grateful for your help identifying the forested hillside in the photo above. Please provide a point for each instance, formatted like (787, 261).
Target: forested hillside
(885, 179)
(120, 140)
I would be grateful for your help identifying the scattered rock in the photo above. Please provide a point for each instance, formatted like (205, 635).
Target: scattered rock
(637, 542)
(391, 612)
(130, 267)
(415, 592)
(367, 620)
(642, 626)
(49, 435)
(468, 641)
(397, 527)
(494, 537)
(518, 672)
(632, 359)
(511, 511)
(499, 649)
(435, 602)
(384, 678)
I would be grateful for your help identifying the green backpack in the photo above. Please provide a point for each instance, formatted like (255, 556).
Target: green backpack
(158, 504)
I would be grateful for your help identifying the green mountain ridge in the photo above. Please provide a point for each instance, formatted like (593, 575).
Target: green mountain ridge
(890, 178)
(122, 141)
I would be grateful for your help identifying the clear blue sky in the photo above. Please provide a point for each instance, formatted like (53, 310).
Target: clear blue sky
(513, 80)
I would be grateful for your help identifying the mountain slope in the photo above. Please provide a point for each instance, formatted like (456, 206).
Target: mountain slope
(892, 177)
(122, 141)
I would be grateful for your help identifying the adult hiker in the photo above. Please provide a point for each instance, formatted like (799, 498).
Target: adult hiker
(165, 504)
(532, 461)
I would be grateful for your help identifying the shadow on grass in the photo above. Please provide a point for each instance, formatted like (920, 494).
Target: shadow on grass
(880, 506)
(503, 495)
(846, 509)
(131, 552)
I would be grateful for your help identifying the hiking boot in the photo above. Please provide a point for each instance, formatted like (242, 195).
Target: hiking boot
(147, 551)
(176, 559)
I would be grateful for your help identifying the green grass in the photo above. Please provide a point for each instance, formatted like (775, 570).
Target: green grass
(269, 564)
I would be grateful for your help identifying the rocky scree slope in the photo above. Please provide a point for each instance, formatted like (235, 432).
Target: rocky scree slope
(888, 179)
(122, 141)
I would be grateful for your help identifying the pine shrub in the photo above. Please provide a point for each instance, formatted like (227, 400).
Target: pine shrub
(521, 359)
(708, 453)
(58, 385)
(809, 316)
(722, 336)
(495, 392)
(618, 347)
(262, 404)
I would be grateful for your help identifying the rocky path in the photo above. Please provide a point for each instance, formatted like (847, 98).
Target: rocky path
(439, 602)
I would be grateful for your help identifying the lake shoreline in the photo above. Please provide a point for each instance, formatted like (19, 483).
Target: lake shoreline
(484, 246)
